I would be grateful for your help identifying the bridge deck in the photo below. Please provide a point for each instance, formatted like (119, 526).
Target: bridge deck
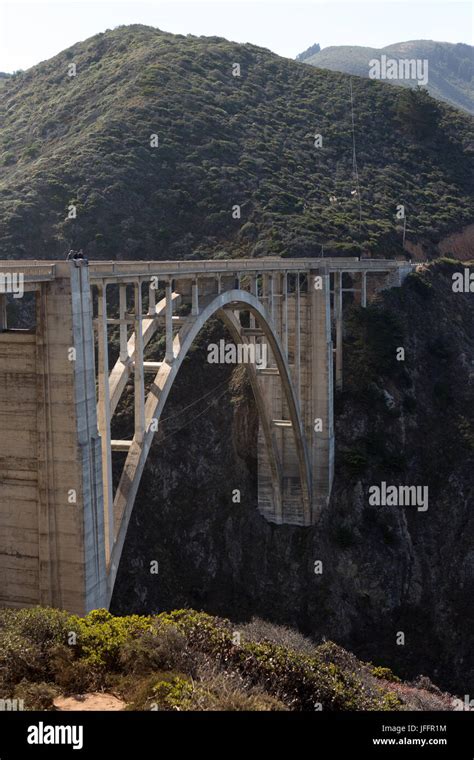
(113, 271)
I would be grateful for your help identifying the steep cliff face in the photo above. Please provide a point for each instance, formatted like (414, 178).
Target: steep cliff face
(385, 570)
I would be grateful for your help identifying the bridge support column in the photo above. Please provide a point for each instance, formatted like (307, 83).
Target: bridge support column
(322, 402)
(264, 294)
(169, 355)
(123, 325)
(151, 300)
(104, 418)
(271, 296)
(254, 292)
(338, 320)
(3, 313)
(363, 292)
(298, 336)
(138, 374)
(291, 316)
(51, 502)
(195, 298)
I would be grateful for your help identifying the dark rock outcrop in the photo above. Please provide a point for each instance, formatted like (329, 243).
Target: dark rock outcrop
(386, 570)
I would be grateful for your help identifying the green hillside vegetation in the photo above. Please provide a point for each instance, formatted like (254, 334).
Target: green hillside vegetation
(450, 66)
(186, 660)
(224, 140)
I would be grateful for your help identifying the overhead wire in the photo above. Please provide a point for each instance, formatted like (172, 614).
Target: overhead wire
(193, 403)
(193, 419)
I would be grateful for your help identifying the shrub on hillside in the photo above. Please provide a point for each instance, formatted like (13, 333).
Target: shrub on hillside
(302, 682)
(262, 631)
(27, 638)
(36, 696)
(101, 636)
(163, 647)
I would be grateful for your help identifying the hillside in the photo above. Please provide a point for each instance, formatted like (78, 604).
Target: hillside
(450, 66)
(224, 141)
(185, 660)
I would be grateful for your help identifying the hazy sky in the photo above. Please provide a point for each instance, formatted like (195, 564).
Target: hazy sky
(31, 31)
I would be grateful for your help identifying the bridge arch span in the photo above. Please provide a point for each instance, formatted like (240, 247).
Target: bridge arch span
(223, 307)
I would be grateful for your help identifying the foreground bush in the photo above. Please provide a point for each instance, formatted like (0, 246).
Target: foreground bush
(182, 660)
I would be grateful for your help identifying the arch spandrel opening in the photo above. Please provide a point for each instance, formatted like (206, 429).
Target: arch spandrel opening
(226, 307)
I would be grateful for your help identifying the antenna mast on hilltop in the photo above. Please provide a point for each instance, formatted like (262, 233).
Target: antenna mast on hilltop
(354, 156)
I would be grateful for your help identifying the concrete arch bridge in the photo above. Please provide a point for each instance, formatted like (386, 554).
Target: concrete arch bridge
(62, 526)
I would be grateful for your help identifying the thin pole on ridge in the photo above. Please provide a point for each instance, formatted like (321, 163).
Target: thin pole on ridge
(354, 156)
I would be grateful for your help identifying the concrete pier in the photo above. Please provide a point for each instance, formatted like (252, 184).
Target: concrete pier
(51, 503)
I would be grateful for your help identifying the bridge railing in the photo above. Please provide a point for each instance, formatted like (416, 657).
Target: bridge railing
(115, 270)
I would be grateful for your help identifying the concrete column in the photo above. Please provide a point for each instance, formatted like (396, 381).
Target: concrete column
(363, 295)
(274, 309)
(138, 375)
(264, 293)
(271, 295)
(321, 388)
(92, 541)
(51, 504)
(103, 412)
(338, 317)
(285, 312)
(254, 292)
(123, 325)
(195, 298)
(3, 313)
(278, 303)
(297, 337)
(169, 356)
(151, 300)
(237, 286)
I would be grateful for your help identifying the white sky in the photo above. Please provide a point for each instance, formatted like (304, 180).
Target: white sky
(32, 31)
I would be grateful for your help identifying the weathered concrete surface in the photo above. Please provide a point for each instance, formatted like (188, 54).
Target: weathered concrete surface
(19, 535)
(51, 538)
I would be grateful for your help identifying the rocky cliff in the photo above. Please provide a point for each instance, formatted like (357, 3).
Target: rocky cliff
(386, 570)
